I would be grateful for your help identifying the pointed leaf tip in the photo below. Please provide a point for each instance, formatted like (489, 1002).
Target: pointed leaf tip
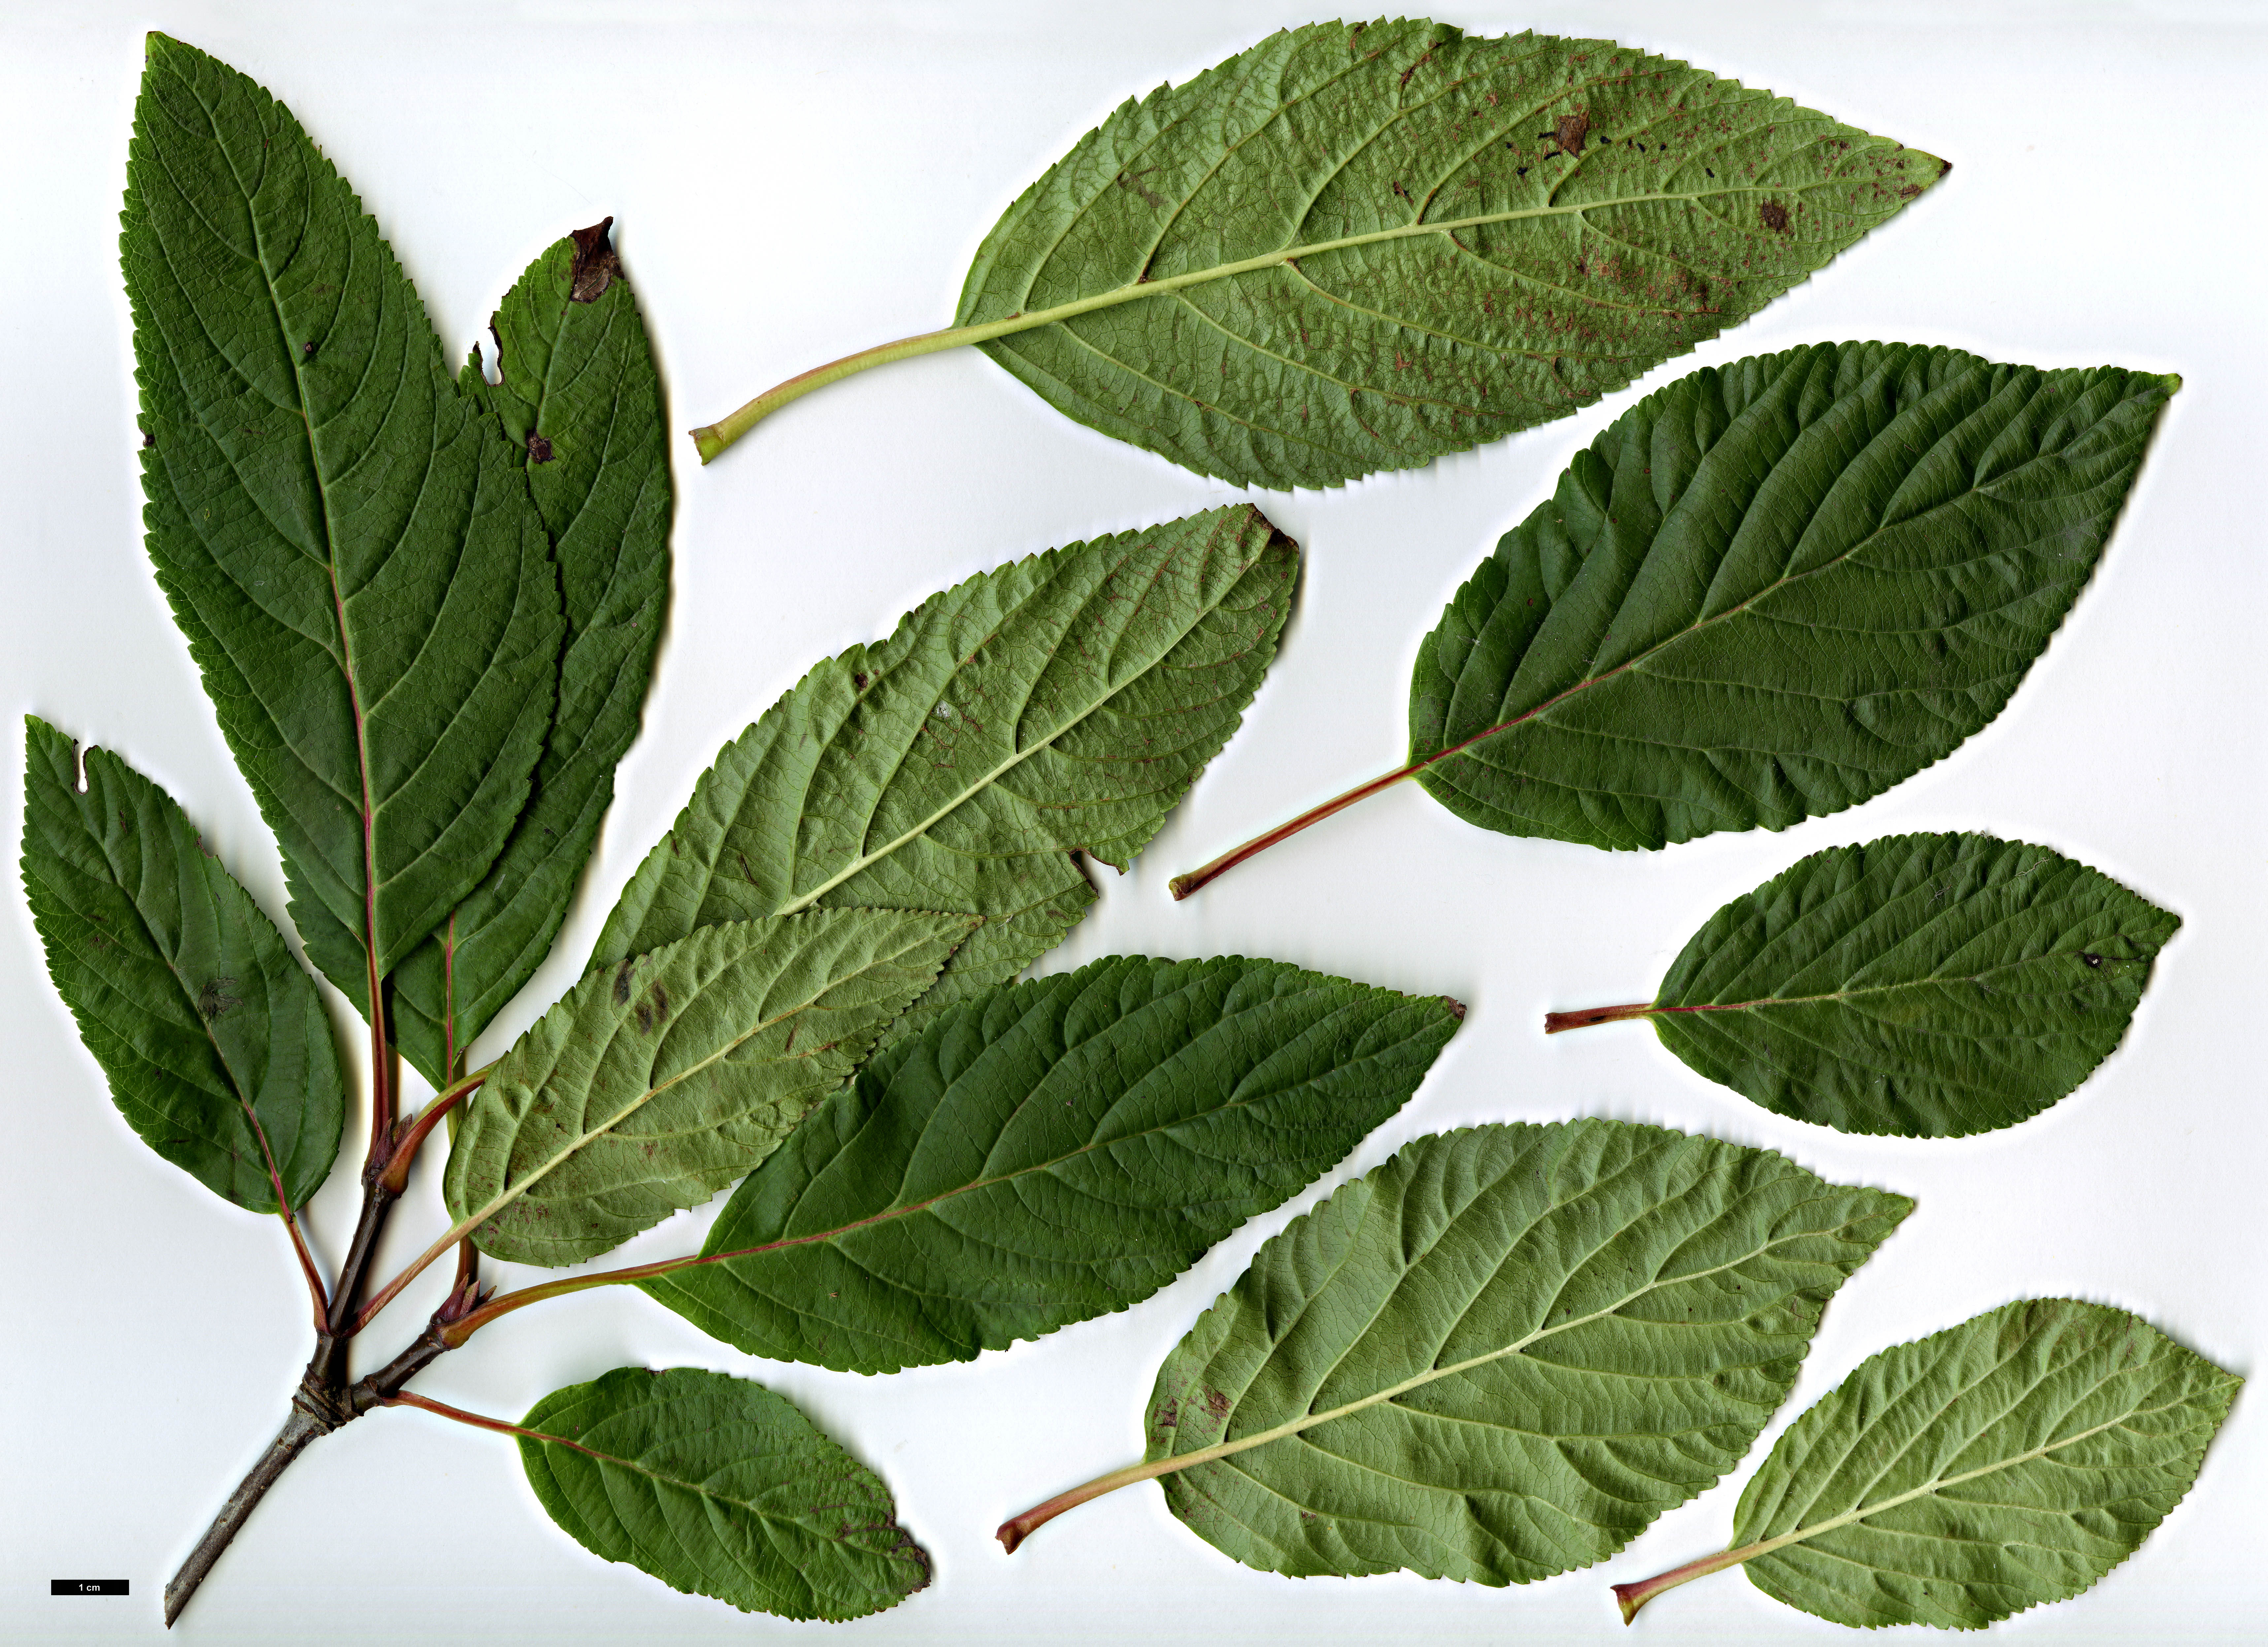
(266, 532)
(1133, 655)
(1715, 198)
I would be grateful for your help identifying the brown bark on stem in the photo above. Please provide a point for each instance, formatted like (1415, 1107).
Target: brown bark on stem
(318, 1407)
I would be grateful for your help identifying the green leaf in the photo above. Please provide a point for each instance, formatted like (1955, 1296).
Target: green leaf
(719, 1487)
(660, 1079)
(580, 399)
(2010, 1460)
(1926, 985)
(1773, 590)
(1048, 1152)
(347, 545)
(1357, 247)
(218, 1054)
(1767, 591)
(1500, 1355)
(1058, 705)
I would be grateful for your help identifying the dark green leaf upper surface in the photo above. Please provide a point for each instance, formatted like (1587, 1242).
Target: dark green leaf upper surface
(659, 1080)
(1773, 590)
(1050, 1152)
(1927, 985)
(719, 1487)
(218, 1054)
(1357, 247)
(348, 548)
(1060, 704)
(582, 403)
(2010, 1460)
(1505, 1351)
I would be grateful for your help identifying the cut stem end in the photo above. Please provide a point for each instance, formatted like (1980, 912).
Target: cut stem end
(1016, 1529)
(1555, 1022)
(1631, 1597)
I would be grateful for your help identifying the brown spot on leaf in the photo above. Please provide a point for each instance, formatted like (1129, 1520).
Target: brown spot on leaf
(1217, 1404)
(595, 267)
(539, 449)
(1456, 1007)
(622, 981)
(1774, 216)
(219, 996)
(1910, 191)
(1571, 131)
(1133, 180)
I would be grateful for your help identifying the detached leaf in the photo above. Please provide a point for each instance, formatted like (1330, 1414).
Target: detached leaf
(1048, 1152)
(1058, 705)
(2011, 1460)
(1766, 592)
(218, 1054)
(1356, 248)
(1500, 1355)
(658, 1081)
(1772, 591)
(1926, 985)
(719, 1487)
(350, 549)
(582, 404)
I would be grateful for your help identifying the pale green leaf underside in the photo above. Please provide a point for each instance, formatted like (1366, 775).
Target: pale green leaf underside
(217, 1051)
(1357, 247)
(582, 403)
(1926, 985)
(1773, 590)
(1048, 1152)
(719, 1487)
(347, 545)
(1500, 1355)
(660, 1079)
(2011, 1460)
(1059, 704)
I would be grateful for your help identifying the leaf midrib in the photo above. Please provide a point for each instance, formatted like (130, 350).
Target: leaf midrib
(514, 1191)
(866, 860)
(910, 1209)
(180, 984)
(528, 1180)
(368, 820)
(1766, 1002)
(1765, 1547)
(1740, 609)
(984, 332)
(1293, 1426)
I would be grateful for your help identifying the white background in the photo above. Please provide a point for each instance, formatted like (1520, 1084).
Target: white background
(792, 182)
